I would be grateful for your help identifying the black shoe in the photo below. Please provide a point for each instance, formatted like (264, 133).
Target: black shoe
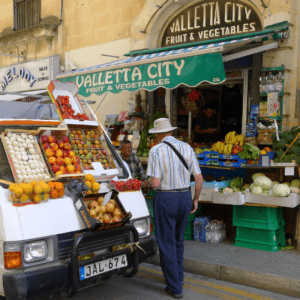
(173, 295)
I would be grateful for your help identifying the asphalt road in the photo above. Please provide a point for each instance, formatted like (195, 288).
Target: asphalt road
(149, 284)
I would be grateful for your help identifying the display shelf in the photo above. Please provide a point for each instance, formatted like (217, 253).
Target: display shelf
(266, 94)
(271, 69)
(116, 123)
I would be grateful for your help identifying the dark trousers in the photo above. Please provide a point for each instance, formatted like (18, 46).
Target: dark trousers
(171, 211)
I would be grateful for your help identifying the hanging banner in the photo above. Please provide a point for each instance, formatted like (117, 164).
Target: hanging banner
(169, 74)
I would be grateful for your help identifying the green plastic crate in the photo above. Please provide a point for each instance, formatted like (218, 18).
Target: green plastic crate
(257, 246)
(191, 217)
(188, 236)
(189, 227)
(262, 236)
(149, 201)
(151, 193)
(258, 225)
(266, 216)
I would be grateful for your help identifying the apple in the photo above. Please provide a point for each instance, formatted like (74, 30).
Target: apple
(54, 146)
(117, 212)
(72, 153)
(116, 219)
(75, 160)
(67, 160)
(85, 151)
(77, 167)
(81, 137)
(82, 143)
(52, 160)
(60, 161)
(76, 136)
(71, 135)
(73, 132)
(87, 136)
(103, 152)
(79, 146)
(73, 142)
(78, 132)
(49, 152)
(84, 161)
(106, 218)
(44, 139)
(77, 142)
(58, 153)
(60, 144)
(70, 168)
(52, 139)
(96, 136)
(55, 168)
(46, 146)
(80, 151)
(65, 153)
(63, 169)
(67, 146)
(65, 139)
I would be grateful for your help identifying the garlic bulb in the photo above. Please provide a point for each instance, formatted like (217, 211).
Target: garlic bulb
(13, 139)
(15, 144)
(20, 177)
(9, 134)
(25, 177)
(30, 137)
(23, 136)
(8, 142)
(25, 157)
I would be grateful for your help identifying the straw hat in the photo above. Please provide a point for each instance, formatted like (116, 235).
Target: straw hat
(161, 125)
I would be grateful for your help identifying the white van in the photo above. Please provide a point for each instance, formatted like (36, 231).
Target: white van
(50, 246)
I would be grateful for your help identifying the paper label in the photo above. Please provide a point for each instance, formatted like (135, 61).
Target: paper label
(121, 137)
(273, 105)
(289, 171)
(107, 198)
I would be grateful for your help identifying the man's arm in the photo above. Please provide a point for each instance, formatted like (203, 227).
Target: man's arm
(154, 182)
(199, 130)
(198, 187)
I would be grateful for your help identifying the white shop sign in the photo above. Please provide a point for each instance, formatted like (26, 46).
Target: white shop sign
(32, 75)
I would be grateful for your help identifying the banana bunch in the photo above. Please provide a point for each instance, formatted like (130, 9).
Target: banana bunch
(219, 147)
(228, 148)
(239, 140)
(233, 139)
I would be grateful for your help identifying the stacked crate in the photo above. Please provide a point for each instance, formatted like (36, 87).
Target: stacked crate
(259, 228)
(189, 230)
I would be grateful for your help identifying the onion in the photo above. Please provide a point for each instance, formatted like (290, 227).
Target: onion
(30, 137)
(13, 139)
(8, 142)
(20, 177)
(9, 134)
(25, 157)
(25, 177)
(23, 136)
(10, 147)
(15, 144)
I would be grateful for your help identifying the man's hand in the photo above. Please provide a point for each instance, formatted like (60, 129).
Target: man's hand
(195, 206)
(145, 183)
(210, 130)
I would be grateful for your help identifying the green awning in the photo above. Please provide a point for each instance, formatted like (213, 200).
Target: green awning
(167, 69)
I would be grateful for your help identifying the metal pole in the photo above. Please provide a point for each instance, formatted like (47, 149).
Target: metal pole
(190, 125)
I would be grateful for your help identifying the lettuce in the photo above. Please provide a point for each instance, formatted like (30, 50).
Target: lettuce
(249, 152)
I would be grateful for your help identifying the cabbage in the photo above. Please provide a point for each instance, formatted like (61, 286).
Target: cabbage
(264, 182)
(251, 186)
(265, 192)
(295, 182)
(287, 183)
(294, 190)
(254, 176)
(275, 182)
(257, 190)
(281, 190)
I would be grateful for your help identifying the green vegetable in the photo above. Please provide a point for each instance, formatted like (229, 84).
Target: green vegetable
(158, 114)
(254, 176)
(256, 190)
(295, 182)
(236, 183)
(264, 182)
(281, 190)
(249, 152)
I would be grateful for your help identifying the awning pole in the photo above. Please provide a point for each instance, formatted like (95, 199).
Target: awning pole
(190, 125)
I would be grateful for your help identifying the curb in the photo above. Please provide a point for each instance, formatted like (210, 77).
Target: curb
(277, 284)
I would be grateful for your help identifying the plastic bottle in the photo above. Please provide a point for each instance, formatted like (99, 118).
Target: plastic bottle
(216, 236)
(279, 82)
(270, 83)
(208, 233)
(263, 83)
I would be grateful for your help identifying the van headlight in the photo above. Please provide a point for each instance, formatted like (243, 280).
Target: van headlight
(35, 251)
(141, 226)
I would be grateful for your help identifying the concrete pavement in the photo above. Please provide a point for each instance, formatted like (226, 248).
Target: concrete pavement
(273, 271)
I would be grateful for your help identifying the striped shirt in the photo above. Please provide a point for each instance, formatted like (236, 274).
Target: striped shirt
(163, 163)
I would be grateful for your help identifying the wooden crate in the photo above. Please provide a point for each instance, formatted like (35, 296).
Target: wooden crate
(36, 147)
(58, 133)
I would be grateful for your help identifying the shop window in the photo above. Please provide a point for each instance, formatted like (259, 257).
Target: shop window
(27, 13)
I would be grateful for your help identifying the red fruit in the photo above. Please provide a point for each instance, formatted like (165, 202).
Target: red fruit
(52, 160)
(116, 219)
(103, 152)
(67, 146)
(54, 146)
(44, 139)
(46, 146)
(234, 151)
(65, 153)
(60, 161)
(77, 167)
(52, 139)
(49, 152)
(55, 168)
(67, 160)
(60, 144)
(65, 139)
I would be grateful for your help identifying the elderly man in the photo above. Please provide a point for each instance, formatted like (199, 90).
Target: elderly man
(170, 165)
(133, 161)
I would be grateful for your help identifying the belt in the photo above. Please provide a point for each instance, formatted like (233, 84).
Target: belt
(176, 190)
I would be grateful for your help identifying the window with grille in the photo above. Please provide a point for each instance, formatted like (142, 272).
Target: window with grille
(27, 13)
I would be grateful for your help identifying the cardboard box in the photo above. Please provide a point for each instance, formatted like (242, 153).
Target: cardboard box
(58, 133)
(37, 150)
(236, 198)
(81, 203)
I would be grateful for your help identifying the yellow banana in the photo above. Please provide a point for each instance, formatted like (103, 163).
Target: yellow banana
(232, 134)
(229, 149)
(241, 143)
(227, 137)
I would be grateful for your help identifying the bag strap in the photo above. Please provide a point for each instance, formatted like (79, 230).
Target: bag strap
(178, 154)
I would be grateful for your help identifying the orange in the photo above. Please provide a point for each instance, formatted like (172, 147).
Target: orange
(54, 194)
(58, 186)
(51, 184)
(61, 193)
